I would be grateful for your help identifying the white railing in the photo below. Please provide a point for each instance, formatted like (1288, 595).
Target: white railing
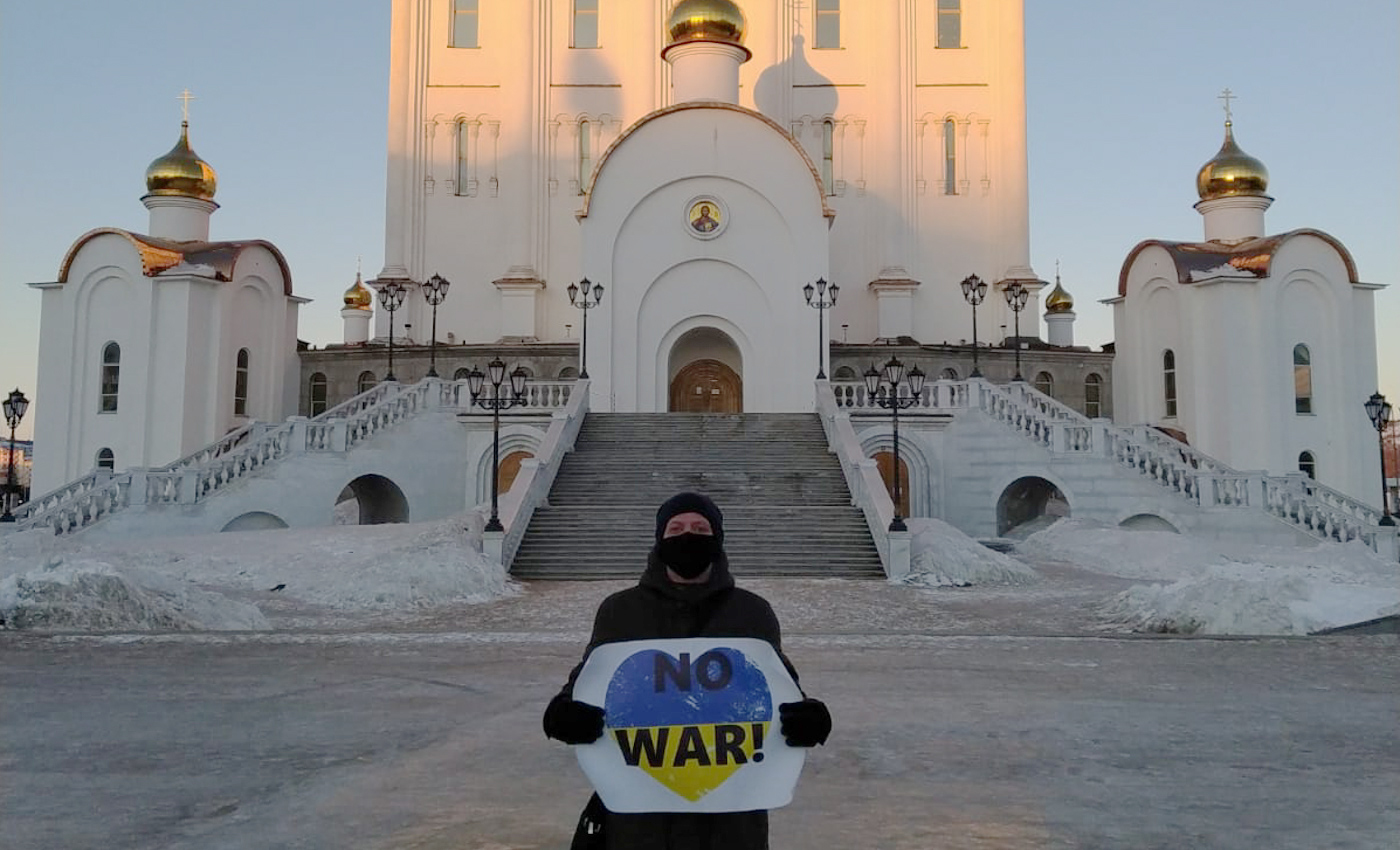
(862, 476)
(532, 484)
(1304, 504)
(248, 450)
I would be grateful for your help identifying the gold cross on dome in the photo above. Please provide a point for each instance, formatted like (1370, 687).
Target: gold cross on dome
(1227, 96)
(185, 98)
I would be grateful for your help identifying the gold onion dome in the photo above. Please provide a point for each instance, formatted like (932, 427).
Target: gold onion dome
(181, 172)
(1231, 172)
(1058, 301)
(706, 20)
(358, 296)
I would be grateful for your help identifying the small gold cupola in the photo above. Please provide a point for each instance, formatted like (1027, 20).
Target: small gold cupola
(359, 296)
(1059, 301)
(181, 173)
(1231, 172)
(706, 20)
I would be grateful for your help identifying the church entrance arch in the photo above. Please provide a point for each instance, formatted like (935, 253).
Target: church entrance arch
(378, 499)
(706, 373)
(1026, 499)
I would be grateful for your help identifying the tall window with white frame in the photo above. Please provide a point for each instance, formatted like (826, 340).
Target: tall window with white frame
(1307, 464)
(586, 23)
(828, 24)
(1302, 379)
(240, 383)
(585, 154)
(1045, 383)
(949, 23)
(1093, 396)
(318, 394)
(1169, 381)
(106, 460)
(950, 157)
(829, 156)
(111, 377)
(465, 142)
(466, 31)
(366, 382)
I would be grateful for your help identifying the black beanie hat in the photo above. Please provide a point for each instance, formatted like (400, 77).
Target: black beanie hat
(685, 503)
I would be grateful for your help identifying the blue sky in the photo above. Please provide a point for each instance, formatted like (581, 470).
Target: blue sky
(291, 107)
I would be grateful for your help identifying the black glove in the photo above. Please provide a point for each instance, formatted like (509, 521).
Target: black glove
(573, 722)
(806, 723)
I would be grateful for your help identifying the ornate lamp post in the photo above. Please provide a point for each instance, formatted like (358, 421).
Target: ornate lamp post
(1378, 409)
(391, 296)
(974, 290)
(892, 377)
(1016, 297)
(495, 403)
(821, 302)
(15, 406)
(435, 291)
(578, 296)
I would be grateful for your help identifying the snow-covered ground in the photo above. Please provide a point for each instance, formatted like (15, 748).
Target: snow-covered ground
(1066, 577)
(1202, 586)
(230, 580)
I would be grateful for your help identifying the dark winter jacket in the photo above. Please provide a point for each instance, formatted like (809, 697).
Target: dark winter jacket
(659, 608)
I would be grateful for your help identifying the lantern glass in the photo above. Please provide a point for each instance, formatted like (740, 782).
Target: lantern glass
(894, 373)
(496, 369)
(517, 381)
(597, 293)
(1374, 407)
(916, 381)
(573, 293)
(808, 291)
(475, 380)
(833, 289)
(872, 381)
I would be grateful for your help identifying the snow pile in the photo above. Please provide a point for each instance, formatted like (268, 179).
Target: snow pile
(942, 556)
(187, 582)
(88, 595)
(1210, 587)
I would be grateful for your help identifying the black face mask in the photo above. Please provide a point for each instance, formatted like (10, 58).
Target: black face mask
(688, 554)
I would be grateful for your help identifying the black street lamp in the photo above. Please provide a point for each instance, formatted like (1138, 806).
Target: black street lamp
(974, 290)
(496, 403)
(821, 303)
(1378, 409)
(892, 377)
(435, 291)
(578, 296)
(391, 295)
(1016, 297)
(15, 406)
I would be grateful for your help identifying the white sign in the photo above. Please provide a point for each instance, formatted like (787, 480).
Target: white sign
(691, 725)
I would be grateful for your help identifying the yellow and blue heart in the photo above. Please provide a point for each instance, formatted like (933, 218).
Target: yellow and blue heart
(689, 723)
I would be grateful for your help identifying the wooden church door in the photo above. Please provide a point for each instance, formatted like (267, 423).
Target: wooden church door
(884, 462)
(706, 386)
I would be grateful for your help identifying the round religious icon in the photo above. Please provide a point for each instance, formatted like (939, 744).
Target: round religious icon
(705, 218)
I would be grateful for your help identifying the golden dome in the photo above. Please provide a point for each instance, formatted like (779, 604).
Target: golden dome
(1058, 301)
(358, 296)
(1231, 172)
(181, 172)
(706, 20)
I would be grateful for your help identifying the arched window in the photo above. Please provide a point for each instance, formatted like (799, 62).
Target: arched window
(529, 373)
(1302, 379)
(465, 32)
(240, 383)
(568, 373)
(1045, 383)
(466, 145)
(949, 374)
(111, 377)
(318, 394)
(365, 382)
(829, 156)
(949, 23)
(1093, 396)
(585, 23)
(461, 374)
(844, 373)
(950, 157)
(828, 24)
(1169, 381)
(1307, 464)
(585, 154)
(106, 460)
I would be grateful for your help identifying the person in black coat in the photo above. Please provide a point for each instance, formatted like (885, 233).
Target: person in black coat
(685, 591)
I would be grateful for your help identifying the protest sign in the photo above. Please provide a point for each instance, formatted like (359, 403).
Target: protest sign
(691, 725)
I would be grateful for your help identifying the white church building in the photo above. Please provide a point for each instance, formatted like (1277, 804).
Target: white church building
(704, 163)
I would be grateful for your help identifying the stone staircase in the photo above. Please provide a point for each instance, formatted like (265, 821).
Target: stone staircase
(787, 509)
